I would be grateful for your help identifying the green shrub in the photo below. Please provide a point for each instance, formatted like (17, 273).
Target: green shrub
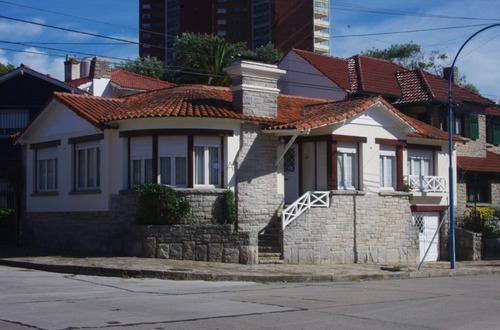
(159, 205)
(7, 214)
(229, 213)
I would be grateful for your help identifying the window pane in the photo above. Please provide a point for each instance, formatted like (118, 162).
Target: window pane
(81, 169)
(426, 167)
(50, 174)
(90, 168)
(199, 165)
(98, 168)
(136, 171)
(148, 170)
(181, 171)
(381, 171)
(42, 175)
(388, 171)
(214, 165)
(349, 173)
(166, 170)
(416, 167)
(340, 171)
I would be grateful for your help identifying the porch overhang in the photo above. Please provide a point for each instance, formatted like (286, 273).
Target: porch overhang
(293, 133)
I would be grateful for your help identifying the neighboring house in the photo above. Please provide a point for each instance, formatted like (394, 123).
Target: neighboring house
(84, 153)
(23, 92)
(96, 77)
(418, 94)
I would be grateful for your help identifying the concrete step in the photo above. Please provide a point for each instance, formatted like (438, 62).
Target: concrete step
(269, 249)
(270, 258)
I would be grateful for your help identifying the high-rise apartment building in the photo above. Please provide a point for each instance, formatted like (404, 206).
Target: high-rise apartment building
(302, 24)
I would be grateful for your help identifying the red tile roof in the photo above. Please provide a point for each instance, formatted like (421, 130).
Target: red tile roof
(364, 74)
(332, 67)
(357, 74)
(327, 113)
(491, 163)
(294, 112)
(133, 80)
(128, 79)
(91, 108)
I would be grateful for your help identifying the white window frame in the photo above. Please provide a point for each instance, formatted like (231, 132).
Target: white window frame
(206, 144)
(46, 170)
(174, 148)
(387, 153)
(90, 174)
(141, 159)
(344, 151)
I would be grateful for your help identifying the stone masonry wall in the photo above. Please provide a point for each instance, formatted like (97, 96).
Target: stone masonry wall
(468, 245)
(116, 233)
(257, 198)
(357, 228)
(474, 148)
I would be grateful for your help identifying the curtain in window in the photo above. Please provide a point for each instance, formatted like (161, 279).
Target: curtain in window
(181, 171)
(199, 165)
(166, 170)
(213, 165)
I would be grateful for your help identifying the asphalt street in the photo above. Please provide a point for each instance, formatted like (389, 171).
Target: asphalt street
(32, 299)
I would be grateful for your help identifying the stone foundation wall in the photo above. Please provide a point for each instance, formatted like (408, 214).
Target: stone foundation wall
(357, 228)
(116, 233)
(468, 245)
(216, 243)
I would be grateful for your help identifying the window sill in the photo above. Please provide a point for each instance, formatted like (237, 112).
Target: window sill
(44, 194)
(85, 192)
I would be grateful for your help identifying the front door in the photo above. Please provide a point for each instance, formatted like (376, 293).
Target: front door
(428, 223)
(290, 167)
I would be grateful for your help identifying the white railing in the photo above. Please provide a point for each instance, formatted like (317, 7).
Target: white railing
(305, 202)
(427, 183)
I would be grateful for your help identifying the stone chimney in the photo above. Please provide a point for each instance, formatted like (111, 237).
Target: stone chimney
(100, 75)
(255, 88)
(100, 68)
(71, 68)
(454, 77)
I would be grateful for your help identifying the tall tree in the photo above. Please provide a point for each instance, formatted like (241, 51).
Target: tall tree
(147, 66)
(200, 58)
(4, 68)
(411, 56)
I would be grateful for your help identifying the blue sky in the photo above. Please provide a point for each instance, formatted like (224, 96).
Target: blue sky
(356, 26)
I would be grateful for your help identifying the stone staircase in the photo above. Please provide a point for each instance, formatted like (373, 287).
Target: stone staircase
(270, 246)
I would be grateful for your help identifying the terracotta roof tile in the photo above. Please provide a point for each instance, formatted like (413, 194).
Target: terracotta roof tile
(91, 108)
(128, 79)
(332, 67)
(490, 163)
(137, 81)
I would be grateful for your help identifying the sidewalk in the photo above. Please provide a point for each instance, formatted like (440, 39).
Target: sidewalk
(67, 262)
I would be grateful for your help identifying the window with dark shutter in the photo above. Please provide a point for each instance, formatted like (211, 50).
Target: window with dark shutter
(496, 133)
(473, 126)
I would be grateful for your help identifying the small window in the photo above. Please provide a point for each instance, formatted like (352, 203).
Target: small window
(221, 22)
(221, 10)
(146, 6)
(496, 133)
(141, 160)
(172, 153)
(207, 162)
(347, 166)
(221, 33)
(88, 159)
(46, 170)
(387, 164)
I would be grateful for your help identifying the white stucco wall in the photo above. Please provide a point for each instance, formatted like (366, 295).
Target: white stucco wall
(60, 123)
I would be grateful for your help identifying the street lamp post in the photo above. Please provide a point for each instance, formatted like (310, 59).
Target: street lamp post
(450, 148)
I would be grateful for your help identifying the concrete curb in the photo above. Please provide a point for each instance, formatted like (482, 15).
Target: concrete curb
(262, 278)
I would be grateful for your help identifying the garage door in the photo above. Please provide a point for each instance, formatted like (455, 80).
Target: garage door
(427, 223)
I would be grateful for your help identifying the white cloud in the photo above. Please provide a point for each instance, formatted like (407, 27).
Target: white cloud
(13, 29)
(40, 62)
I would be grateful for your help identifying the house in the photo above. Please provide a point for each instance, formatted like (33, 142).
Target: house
(96, 77)
(418, 94)
(85, 153)
(23, 92)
